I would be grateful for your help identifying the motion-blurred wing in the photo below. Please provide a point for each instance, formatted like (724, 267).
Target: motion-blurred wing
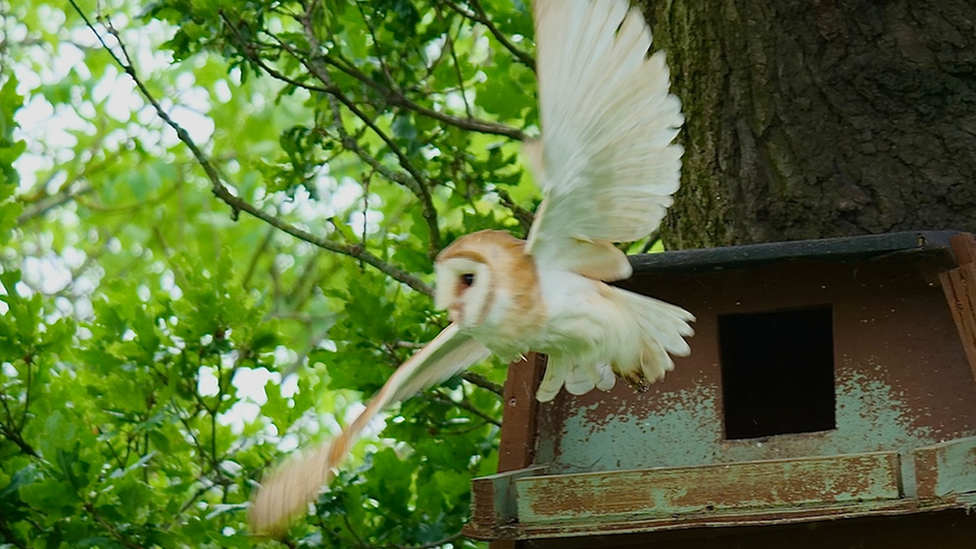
(605, 161)
(288, 491)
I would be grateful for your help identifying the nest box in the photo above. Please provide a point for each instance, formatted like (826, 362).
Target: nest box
(829, 400)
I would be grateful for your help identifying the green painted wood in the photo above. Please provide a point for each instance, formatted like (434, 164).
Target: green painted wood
(493, 501)
(947, 469)
(720, 526)
(709, 489)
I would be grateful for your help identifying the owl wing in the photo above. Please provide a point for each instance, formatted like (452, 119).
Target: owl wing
(288, 491)
(605, 162)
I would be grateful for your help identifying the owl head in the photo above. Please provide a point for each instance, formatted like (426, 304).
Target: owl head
(479, 275)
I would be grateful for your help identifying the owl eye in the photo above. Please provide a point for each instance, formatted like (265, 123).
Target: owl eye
(467, 279)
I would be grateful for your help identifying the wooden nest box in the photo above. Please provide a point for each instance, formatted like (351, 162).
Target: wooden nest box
(829, 401)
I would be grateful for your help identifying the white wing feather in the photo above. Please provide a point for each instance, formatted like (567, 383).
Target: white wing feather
(607, 168)
(605, 162)
(288, 491)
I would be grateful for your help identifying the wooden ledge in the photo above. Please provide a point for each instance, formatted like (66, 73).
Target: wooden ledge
(530, 504)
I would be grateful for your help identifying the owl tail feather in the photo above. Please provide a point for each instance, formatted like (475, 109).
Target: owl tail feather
(657, 330)
(638, 350)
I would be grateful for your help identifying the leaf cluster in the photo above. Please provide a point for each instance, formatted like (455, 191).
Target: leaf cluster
(159, 351)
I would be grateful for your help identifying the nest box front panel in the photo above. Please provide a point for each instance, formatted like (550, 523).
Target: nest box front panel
(789, 360)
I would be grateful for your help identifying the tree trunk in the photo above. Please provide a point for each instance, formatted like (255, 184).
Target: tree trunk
(821, 118)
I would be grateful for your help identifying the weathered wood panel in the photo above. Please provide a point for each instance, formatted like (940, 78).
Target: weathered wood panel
(887, 528)
(903, 384)
(959, 285)
(494, 497)
(710, 488)
(902, 376)
(493, 502)
(517, 446)
(946, 470)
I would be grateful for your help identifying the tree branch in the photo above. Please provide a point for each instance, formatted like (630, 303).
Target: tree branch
(104, 523)
(524, 217)
(16, 438)
(8, 535)
(457, 66)
(420, 186)
(237, 204)
(465, 405)
(483, 382)
(482, 17)
(51, 202)
(391, 96)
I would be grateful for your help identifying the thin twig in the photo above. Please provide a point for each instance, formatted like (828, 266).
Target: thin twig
(380, 55)
(392, 97)
(51, 202)
(420, 185)
(482, 17)
(359, 540)
(237, 204)
(8, 535)
(252, 265)
(105, 524)
(651, 241)
(29, 366)
(115, 454)
(464, 405)
(457, 66)
(524, 217)
(483, 382)
(15, 437)
(191, 500)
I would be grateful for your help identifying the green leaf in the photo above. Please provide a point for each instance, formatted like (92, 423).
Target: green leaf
(507, 92)
(169, 295)
(57, 433)
(21, 477)
(134, 497)
(58, 499)
(10, 148)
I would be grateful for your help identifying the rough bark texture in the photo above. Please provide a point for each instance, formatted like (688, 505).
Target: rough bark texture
(820, 118)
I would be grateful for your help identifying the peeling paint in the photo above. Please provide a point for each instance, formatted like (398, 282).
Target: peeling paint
(904, 440)
(901, 383)
(713, 488)
(685, 428)
(947, 470)
(595, 439)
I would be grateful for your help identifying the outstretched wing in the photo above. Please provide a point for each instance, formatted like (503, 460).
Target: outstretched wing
(605, 160)
(288, 491)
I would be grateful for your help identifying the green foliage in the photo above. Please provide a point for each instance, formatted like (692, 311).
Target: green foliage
(160, 349)
(10, 149)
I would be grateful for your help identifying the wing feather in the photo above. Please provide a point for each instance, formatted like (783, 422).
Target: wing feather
(606, 161)
(288, 491)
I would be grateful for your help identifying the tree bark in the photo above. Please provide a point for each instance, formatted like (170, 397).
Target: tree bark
(821, 118)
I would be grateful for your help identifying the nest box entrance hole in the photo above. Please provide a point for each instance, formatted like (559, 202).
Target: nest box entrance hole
(777, 372)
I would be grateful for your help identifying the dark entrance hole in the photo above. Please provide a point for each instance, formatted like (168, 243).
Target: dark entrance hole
(777, 372)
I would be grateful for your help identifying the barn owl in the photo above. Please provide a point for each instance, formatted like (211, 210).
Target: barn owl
(607, 167)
